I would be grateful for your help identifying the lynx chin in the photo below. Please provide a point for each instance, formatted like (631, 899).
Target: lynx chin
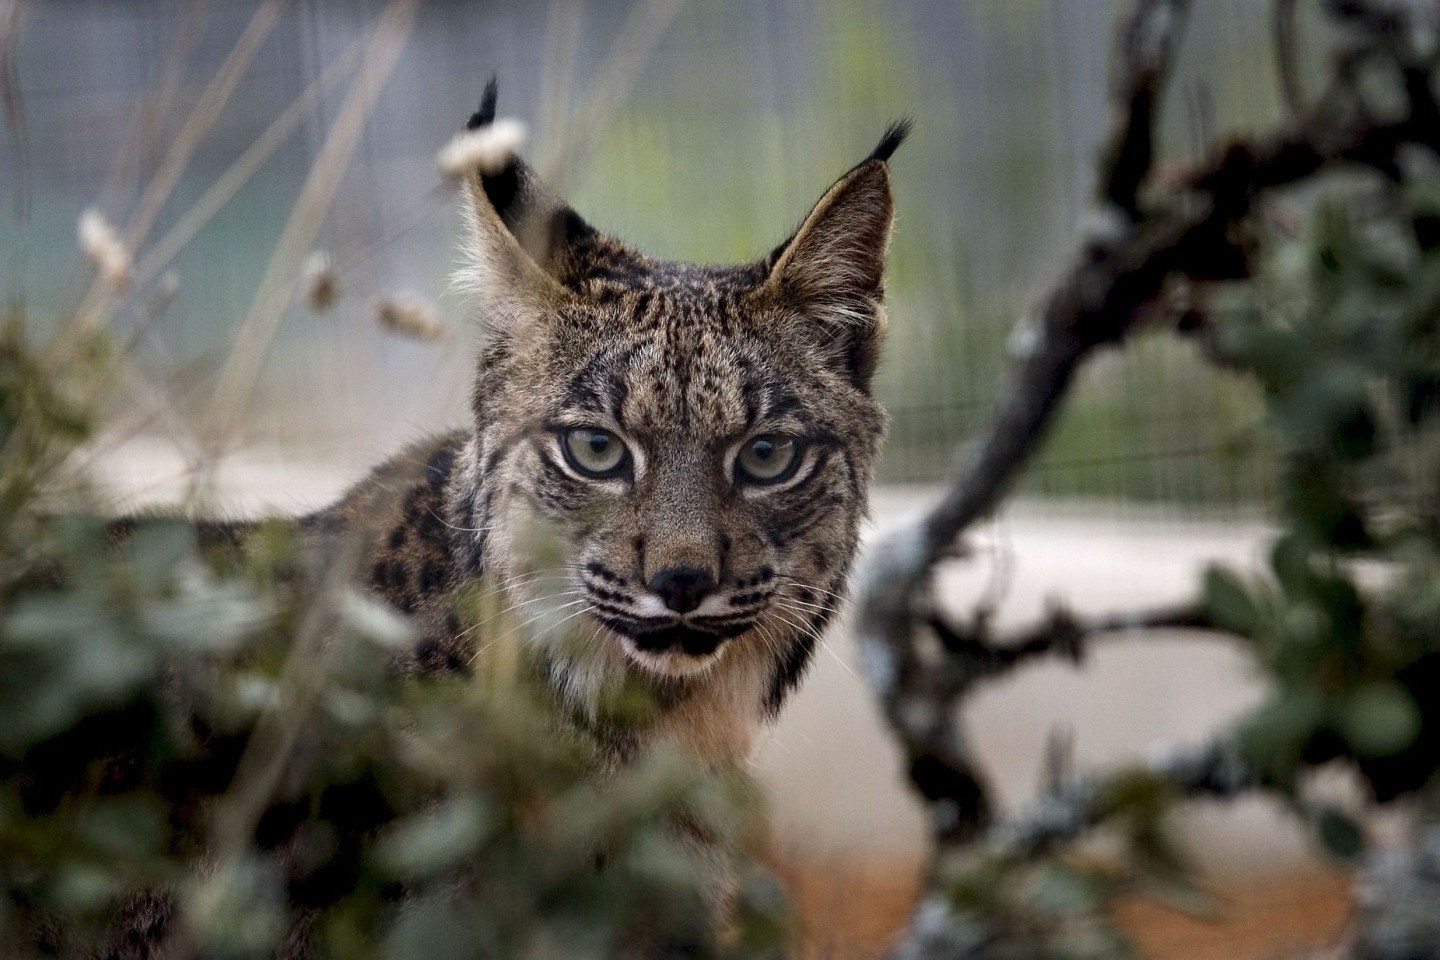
(668, 465)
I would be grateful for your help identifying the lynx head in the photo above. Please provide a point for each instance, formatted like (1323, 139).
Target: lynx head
(677, 456)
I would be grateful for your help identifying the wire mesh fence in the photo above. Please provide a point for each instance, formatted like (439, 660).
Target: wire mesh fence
(694, 130)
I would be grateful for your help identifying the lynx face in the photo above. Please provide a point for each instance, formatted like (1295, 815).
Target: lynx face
(671, 461)
(704, 471)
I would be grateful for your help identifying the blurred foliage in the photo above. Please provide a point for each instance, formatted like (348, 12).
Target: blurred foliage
(1337, 329)
(1020, 891)
(1343, 332)
(168, 704)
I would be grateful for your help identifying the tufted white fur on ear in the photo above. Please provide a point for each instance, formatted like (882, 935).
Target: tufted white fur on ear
(511, 289)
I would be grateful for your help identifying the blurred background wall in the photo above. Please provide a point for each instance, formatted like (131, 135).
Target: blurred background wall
(697, 130)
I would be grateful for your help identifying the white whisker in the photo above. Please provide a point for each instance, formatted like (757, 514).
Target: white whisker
(814, 634)
(513, 607)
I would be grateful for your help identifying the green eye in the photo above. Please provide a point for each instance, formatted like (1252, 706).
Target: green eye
(593, 452)
(768, 459)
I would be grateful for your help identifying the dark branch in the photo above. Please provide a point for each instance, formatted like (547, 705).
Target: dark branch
(1146, 48)
(1065, 814)
(1062, 634)
(1286, 69)
(1129, 255)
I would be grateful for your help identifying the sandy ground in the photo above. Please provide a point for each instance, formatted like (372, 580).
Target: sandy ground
(846, 909)
(832, 769)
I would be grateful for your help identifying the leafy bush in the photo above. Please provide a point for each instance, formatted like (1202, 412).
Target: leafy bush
(229, 743)
(1343, 332)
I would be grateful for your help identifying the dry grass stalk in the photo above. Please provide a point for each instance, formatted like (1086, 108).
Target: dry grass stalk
(236, 385)
(147, 122)
(92, 312)
(318, 280)
(562, 53)
(412, 315)
(223, 190)
(626, 60)
(182, 232)
(202, 119)
(101, 243)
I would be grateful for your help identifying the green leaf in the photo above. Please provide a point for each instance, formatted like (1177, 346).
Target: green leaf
(1339, 834)
(376, 621)
(1230, 605)
(1318, 508)
(1419, 395)
(1379, 719)
(436, 929)
(427, 843)
(1274, 736)
(126, 828)
(1290, 559)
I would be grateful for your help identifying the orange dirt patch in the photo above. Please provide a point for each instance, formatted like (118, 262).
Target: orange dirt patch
(850, 910)
(1283, 917)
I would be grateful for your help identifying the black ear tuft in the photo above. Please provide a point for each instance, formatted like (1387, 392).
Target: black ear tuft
(548, 231)
(486, 114)
(502, 187)
(895, 135)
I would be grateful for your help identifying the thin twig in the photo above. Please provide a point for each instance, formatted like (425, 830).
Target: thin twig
(1146, 48)
(1061, 634)
(238, 378)
(1282, 24)
(92, 312)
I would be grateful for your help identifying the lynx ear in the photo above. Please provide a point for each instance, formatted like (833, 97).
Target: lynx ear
(522, 237)
(511, 288)
(832, 269)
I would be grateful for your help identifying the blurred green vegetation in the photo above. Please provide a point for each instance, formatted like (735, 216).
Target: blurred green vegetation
(1343, 334)
(1331, 353)
(1340, 330)
(171, 702)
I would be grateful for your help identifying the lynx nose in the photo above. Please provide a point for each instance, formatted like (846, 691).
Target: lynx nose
(682, 588)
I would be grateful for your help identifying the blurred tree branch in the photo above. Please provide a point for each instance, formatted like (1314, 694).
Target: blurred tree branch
(974, 653)
(1144, 236)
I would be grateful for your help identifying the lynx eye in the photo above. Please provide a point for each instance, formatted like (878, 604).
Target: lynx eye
(593, 452)
(768, 459)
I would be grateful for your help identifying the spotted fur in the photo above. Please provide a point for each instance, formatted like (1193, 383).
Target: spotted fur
(684, 363)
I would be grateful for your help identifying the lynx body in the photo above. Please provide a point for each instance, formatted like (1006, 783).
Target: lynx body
(676, 455)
